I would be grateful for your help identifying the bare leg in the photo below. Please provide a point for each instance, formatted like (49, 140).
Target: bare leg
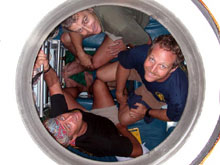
(71, 83)
(70, 95)
(111, 85)
(108, 72)
(66, 40)
(88, 79)
(69, 70)
(102, 96)
(124, 117)
(72, 68)
(102, 55)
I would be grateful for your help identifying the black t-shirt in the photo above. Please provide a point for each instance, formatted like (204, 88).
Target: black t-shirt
(101, 138)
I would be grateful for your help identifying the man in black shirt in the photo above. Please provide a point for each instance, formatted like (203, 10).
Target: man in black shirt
(70, 124)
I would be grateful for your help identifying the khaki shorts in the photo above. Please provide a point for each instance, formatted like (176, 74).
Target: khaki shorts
(109, 112)
(142, 90)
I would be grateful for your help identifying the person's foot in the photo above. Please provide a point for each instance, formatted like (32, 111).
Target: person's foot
(71, 69)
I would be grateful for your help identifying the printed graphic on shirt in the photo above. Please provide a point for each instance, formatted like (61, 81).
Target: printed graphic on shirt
(160, 96)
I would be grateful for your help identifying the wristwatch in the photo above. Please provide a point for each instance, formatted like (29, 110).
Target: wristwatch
(147, 113)
(47, 69)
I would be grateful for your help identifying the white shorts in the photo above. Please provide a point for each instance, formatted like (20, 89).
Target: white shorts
(109, 112)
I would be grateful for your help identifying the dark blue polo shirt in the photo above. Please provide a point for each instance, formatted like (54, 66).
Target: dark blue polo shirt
(173, 91)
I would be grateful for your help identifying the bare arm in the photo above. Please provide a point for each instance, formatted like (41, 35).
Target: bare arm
(159, 114)
(121, 78)
(52, 82)
(140, 111)
(76, 40)
(137, 149)
(84, 58)
(50, 76)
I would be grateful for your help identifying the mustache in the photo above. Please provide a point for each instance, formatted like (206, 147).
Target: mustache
(154, 74)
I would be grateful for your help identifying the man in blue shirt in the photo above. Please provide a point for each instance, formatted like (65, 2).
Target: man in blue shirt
(158, 67)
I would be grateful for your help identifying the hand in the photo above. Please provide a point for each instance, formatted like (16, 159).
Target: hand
(41, 59)
(85, 60)
(116, 47)
(139, 112)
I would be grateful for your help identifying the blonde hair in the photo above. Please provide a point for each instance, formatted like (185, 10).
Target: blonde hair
(168, 43)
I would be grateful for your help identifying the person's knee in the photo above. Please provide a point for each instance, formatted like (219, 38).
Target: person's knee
(100, 74)
(98, 85)
(107, 73)
(123, 119)
(137, 151)
(100, 60)
(96, 63)
(65, 38)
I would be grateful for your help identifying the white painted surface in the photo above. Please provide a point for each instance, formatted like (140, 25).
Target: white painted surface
(18, 18)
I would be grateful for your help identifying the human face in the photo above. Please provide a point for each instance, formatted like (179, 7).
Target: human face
(86, 24)
(71, 122)
(159, 64)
